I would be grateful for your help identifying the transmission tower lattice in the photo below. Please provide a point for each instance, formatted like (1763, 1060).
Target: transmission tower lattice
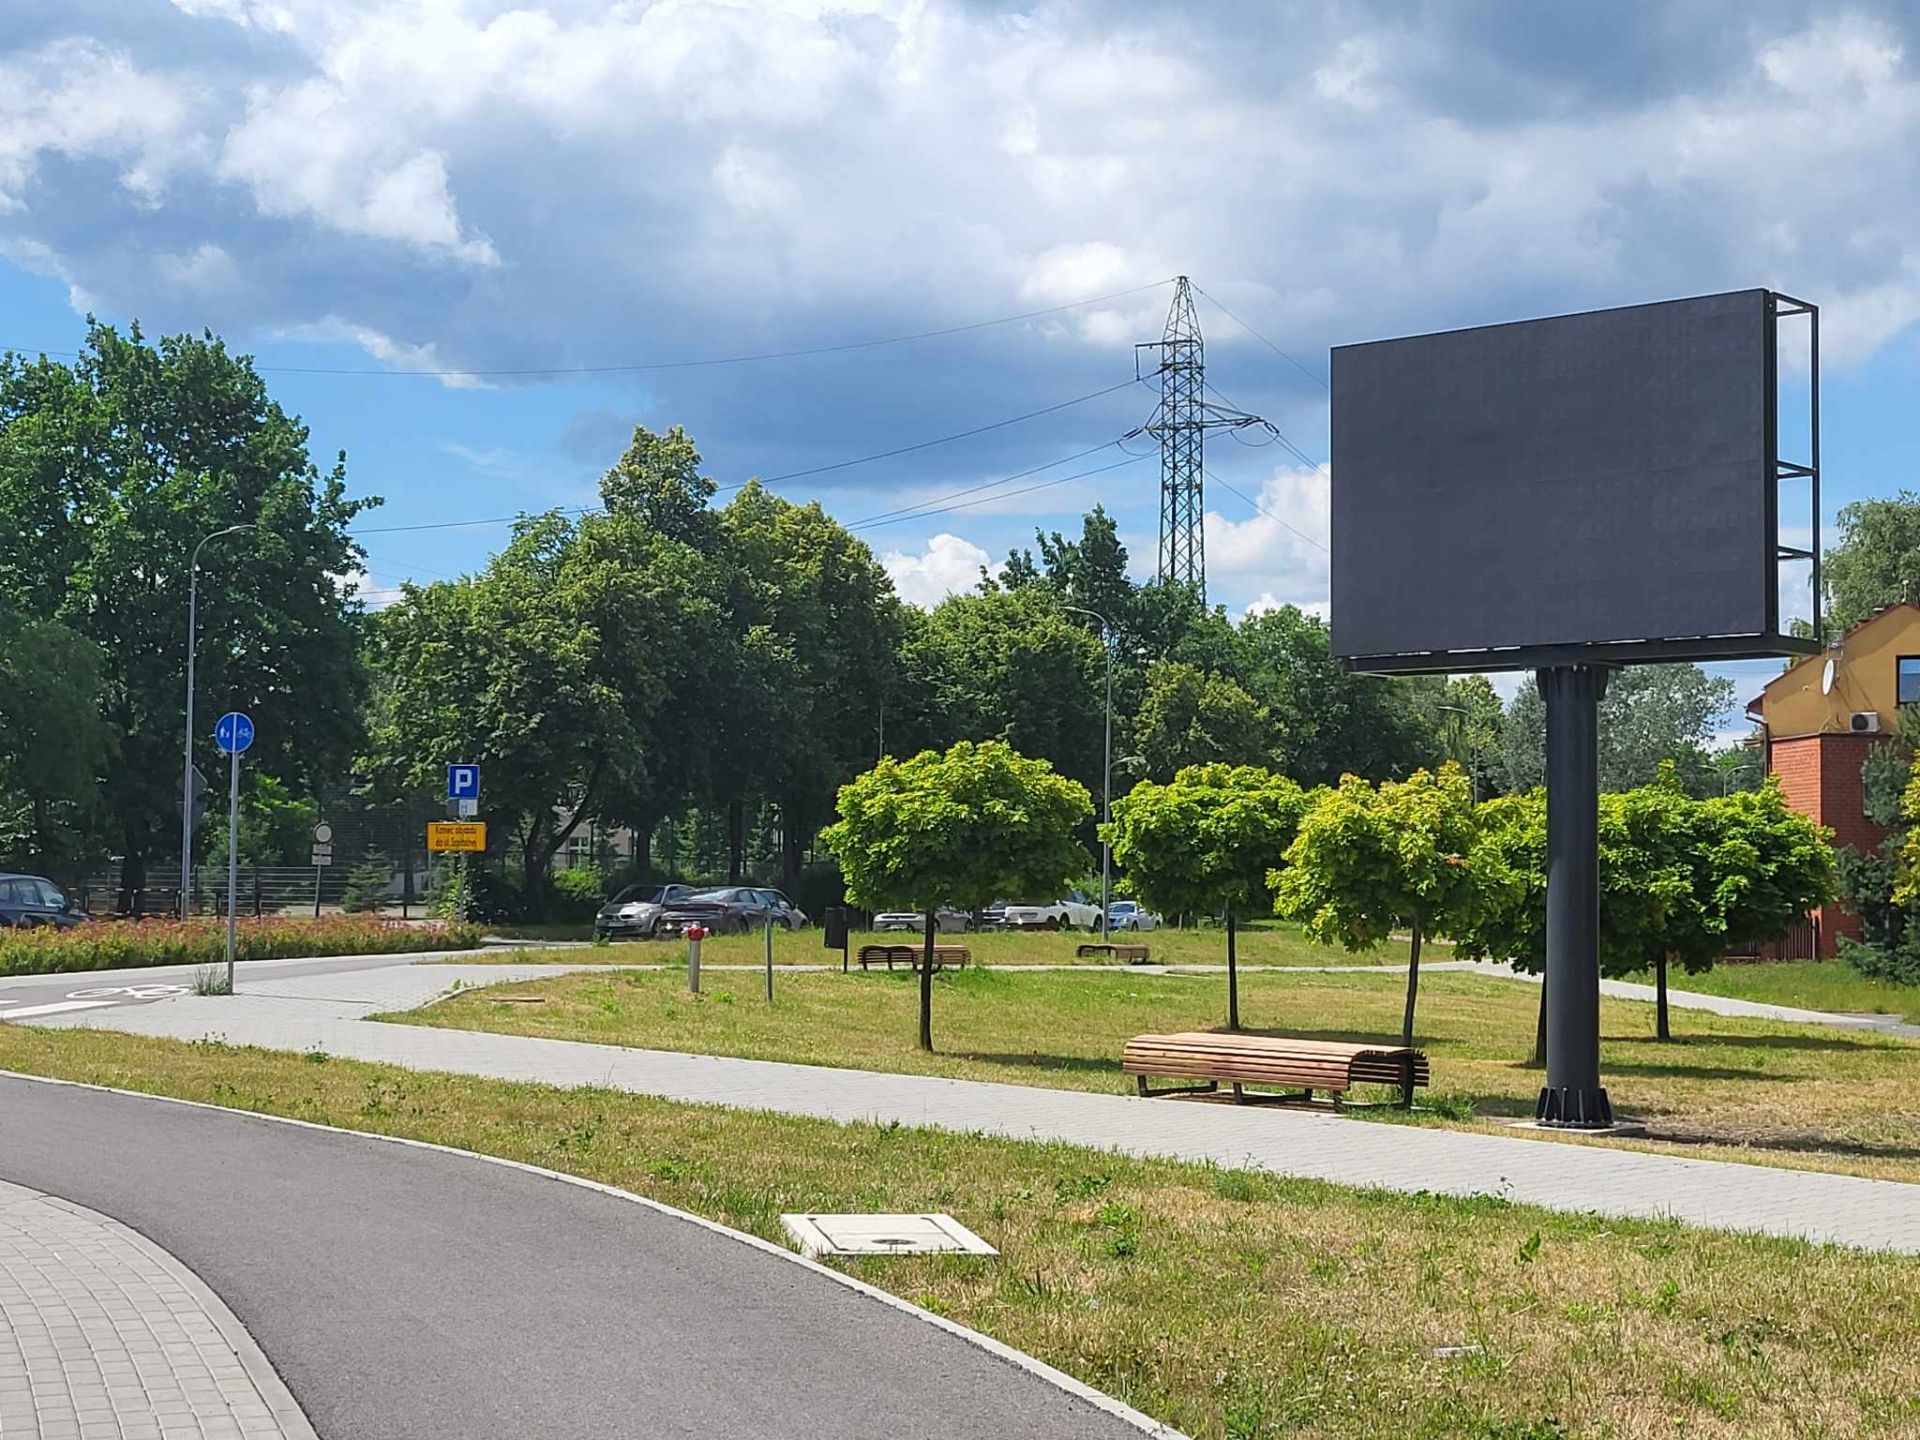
(1180, 424)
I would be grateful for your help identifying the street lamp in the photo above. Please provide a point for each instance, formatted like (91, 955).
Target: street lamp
(186, 768)
(1106, 799)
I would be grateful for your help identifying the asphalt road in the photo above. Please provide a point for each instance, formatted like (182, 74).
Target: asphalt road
(408, 1294)
(95, 989)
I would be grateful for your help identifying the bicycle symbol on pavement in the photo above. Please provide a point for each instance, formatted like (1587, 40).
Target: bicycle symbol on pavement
(128, 992)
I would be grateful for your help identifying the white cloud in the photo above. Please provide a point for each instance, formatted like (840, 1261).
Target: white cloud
(400, 354)
(305, 152)
(948, 566)
(80, 100)
(1267, 600)
(1279, 547)
(207, 268)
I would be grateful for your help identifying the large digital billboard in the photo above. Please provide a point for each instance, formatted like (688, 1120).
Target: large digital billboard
(1521, 494)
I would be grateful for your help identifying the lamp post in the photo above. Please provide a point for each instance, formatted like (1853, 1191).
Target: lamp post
(186, 767)
(1106, 797)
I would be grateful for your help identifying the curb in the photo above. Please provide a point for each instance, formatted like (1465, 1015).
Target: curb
(265, 1380)
(1019, 1359)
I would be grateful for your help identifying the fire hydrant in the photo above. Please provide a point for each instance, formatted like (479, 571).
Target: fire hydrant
(695, 934)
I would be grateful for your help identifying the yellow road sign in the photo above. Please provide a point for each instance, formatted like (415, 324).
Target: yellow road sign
(456, 835)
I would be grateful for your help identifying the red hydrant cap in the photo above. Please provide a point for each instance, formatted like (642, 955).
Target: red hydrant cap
(696, 932)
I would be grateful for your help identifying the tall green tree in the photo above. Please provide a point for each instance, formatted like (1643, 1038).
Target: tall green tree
(1329, 722)
(1875, 562)
(1189, 717)
(54, 744)
(1011, 665)
(1370, 859)
(512, 669)
(1650, 714)
(819, 627)
(1207, 843)
(113, 468)
(957, 829)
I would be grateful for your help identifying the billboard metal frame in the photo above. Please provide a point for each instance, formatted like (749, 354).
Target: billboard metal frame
(1769, 643)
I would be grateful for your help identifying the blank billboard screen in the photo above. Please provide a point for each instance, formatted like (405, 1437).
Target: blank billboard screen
(1586, 479)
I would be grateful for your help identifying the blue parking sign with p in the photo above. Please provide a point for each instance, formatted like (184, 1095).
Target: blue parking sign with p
(463, 782)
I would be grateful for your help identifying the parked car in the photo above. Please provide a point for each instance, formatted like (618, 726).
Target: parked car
(946, 921)
(729, 910)
(992, 917)
(1074, 911)
(1131, 915)
(634, 913)
(29, 901)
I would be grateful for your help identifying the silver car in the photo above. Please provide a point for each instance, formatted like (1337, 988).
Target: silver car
(946, 921)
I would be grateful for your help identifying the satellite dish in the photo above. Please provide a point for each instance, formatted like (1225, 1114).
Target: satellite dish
(1826, 677)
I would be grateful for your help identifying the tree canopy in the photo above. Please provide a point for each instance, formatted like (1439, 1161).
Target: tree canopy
(1875, 562)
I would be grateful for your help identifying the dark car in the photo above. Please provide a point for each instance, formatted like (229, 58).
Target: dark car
(730, 910)
(28, 901)
(634, 914)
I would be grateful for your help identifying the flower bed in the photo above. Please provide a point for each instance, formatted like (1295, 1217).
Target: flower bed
(116, 944)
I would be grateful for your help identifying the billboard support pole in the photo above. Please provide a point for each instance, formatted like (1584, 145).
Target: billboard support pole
(1573, 1096)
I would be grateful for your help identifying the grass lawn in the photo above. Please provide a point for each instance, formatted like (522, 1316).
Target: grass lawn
(1725, 1088)
(1274, 943)
(1807, 984)
(1235, 1306)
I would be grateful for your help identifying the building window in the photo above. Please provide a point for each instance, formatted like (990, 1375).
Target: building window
(1907, 686)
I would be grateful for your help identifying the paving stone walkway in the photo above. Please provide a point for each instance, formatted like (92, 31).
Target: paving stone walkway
(321, 1013)
(105, 1335)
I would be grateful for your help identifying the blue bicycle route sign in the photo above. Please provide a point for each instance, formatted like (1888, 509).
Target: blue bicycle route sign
(233, 732)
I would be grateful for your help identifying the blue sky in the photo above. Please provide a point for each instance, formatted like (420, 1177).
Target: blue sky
(394, 185)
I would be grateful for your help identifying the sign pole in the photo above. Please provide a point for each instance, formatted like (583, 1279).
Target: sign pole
(1573, 1096)
(233, 853)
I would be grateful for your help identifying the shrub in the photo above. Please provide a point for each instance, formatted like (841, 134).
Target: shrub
(367, 885)
(577, 894)
(117, 944)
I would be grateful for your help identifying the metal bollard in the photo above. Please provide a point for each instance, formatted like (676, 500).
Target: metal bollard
(695, 934)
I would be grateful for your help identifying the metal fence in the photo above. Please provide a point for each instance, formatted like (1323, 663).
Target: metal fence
(271, 890)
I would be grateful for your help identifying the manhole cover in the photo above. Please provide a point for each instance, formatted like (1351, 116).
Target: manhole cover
(883, 1235)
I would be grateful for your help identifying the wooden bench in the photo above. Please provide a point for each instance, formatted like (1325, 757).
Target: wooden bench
(909, 955)
(1270, 1060)
(1132, 954)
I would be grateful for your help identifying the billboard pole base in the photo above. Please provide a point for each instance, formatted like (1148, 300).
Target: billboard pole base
(1573, 1097)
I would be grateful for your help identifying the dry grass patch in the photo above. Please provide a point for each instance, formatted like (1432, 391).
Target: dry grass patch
(1725, 1088)
(1236, 1306)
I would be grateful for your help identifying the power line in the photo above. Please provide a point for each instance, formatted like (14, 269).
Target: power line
(905, 512)
(1003, 495)
(1278, 437)
(944, 439)
(547, 372)
(1268, 513)
(1312, 375)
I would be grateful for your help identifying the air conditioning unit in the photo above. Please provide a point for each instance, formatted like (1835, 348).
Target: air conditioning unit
(1865, 722)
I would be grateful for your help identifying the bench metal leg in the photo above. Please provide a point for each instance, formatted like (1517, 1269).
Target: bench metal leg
(1207, 1089)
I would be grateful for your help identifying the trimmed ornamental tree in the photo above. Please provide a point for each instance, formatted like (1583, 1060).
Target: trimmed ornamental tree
(961, 829)
(1681, 880)
(1206, 843)
(1368, 861)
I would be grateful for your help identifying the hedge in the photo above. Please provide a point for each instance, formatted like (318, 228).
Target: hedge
(117, 944)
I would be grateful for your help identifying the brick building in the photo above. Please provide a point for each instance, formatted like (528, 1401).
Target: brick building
(1819, 719)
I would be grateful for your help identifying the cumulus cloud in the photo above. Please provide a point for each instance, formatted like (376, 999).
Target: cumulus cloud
(1280, 548)
(948, 566)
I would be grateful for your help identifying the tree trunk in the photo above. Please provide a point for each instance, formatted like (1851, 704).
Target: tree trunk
(1233, 978)
(792, 851)
(926, 982)
(643, 850)
(1660, 1029)
(1406, 1024)
(1413, 987)
(736, 841)
(1539, 1056)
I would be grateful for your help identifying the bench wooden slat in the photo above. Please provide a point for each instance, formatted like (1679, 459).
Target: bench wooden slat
(909, 955)
(1239, 1059)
